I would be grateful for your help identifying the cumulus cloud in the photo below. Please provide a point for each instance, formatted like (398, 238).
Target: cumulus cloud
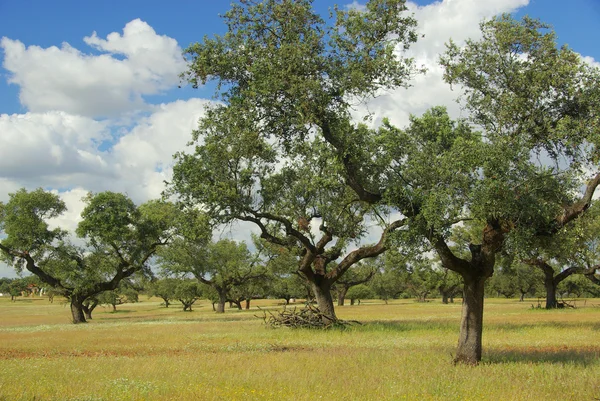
(135, 63)
(591, 61)
(36, 146)
(59, 150)
(143, 157)
(437, 24)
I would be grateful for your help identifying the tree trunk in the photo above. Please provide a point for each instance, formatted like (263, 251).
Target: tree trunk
(342, 295)
(213, 305)
(77, 311)
(248, 303)
(88, 309)
(550, 285)
(522, 297)
(324, 300)
(471, 326)
(351, 301)
(238, 304)
(222, 301)
(444, 297)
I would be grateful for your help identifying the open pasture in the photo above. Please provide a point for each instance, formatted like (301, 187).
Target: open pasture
(402, 351)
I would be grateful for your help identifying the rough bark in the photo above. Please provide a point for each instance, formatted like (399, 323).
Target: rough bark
(474, 273)
(341, 295)
(324, 299)
(88, 309)
(77, 311)
(471, 325)
(221, 302)
(247, 306)
(550, 285)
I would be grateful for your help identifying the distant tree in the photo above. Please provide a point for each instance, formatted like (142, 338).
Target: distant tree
(14, 287)
(122, 295)
(390, 279)
(164, 289)
(188, 291)
(361, 274)
(222, 265)
(358, 292)
(120, 239)
(572, 250)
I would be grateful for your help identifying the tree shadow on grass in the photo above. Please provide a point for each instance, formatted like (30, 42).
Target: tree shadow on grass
(408, 325)
(581, 355)
(543, 324)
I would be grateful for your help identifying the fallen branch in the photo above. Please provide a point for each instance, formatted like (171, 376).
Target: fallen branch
(308, 317)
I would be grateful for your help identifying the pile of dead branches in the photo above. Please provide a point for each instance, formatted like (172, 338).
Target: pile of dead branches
(308, 317)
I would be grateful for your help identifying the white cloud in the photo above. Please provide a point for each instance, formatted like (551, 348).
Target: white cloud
(59, 150)
(72, 216)
(139, 62)
(143, 157)
(37, 146)
(591, 61)
(437, 24)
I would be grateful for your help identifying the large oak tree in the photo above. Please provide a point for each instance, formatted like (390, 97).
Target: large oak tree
(276, 151)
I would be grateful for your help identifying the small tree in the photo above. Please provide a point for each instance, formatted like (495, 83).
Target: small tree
(164, 289)
(188, 292)
(358, 292)
(221, 265)
(361, 274)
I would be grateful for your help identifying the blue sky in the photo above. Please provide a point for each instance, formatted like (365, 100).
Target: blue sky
(93, 112)
(49, 23)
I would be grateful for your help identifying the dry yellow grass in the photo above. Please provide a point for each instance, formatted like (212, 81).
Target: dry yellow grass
(403, 351)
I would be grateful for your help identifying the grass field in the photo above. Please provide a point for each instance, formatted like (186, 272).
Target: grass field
(403, 351)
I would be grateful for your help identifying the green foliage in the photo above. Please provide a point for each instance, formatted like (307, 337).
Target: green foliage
(359, 292)
(164, 289)
(188, 292)
(120, 240)
(24, 222)
(287, 80)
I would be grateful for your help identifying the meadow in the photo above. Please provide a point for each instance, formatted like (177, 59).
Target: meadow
(402, 351)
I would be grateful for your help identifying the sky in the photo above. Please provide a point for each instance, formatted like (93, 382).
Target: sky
(90, 97)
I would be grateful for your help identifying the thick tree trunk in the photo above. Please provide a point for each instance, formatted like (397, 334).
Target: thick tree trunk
(222, 301)
(342, 295)
(351, 301)
(324, 300)
(522, 297)
(551, 302)
(471, 326)
(77, 311)
(238, 304)
(248, 303)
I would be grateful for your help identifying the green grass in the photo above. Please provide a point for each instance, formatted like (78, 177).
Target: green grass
(402, 351)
